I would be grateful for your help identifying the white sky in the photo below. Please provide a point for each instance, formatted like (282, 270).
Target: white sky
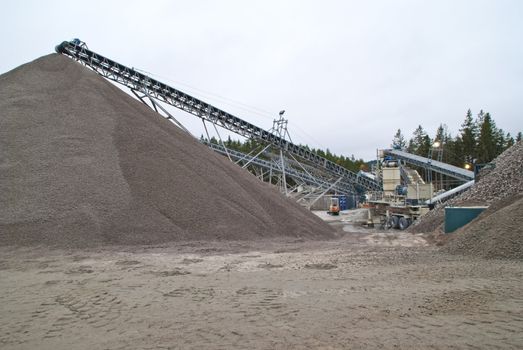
(348, 73)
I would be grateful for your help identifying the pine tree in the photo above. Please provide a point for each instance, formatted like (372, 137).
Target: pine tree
(519, 136)
(420, 142)
(425, 146)
(398, 142)
(411, 146)
(441, 134)
(480, 117)
(509, 141)
(468, 130)
(228, 142)
(487, 142)
(500, 141)
(453, 149)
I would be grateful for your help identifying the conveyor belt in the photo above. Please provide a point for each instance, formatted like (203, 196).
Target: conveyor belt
(450, 193)
(440, 167)
(139, 82)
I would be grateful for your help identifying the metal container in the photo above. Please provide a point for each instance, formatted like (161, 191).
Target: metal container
(344, 204)
(456, 217)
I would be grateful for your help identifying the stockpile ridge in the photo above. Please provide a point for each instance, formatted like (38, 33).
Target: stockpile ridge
(496, 233)
(84, 164)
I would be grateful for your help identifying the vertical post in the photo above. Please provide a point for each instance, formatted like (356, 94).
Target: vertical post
(223, 144)
(284, 181)
(206, 131)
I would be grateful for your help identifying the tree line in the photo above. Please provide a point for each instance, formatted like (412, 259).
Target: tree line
(479, 141)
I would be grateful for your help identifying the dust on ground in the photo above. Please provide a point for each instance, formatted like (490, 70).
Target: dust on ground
(363, 290)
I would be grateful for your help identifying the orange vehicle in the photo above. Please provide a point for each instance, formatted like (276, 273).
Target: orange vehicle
(334, 208)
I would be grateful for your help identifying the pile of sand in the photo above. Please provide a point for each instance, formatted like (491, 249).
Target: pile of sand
(83, 164)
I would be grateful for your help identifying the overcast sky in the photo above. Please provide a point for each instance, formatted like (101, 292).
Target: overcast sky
(348, 73)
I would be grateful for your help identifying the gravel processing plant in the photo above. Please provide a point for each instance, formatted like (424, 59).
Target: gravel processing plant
(119, 230)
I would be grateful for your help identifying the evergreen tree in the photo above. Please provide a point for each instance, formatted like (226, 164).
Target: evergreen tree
(398, 142)
(453, 149)
(468, 130)
(519, 136)
(500, 141)
(509, 141)
(442, 134)
(411, 147)
(420, 142)
(487, 142)
(425, 146)
(480, 117)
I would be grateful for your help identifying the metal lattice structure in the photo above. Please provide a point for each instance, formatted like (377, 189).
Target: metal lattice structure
(142, 83)
(274, 165)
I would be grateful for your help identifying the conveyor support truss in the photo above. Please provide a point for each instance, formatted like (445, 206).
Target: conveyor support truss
(139, 82)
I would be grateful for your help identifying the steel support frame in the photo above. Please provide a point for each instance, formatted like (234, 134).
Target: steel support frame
(274, 167)
(139, 82)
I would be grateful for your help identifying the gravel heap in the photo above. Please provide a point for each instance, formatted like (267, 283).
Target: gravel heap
(83, 164)
(494, 185)
(497, 233)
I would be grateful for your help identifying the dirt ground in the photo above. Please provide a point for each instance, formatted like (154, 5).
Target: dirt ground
(367, 289)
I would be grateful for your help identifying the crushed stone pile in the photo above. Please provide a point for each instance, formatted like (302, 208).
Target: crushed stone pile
(83, 164)
(504, 181)
(496, 233)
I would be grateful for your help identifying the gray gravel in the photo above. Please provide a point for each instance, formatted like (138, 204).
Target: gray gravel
(497, 232)
(500, 183)
(83, 164)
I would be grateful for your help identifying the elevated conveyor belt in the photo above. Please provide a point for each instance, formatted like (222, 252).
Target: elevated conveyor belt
(434, 165)
(450, 193)
(139, 82)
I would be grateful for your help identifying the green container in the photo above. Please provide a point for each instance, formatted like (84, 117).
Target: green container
(456, 217)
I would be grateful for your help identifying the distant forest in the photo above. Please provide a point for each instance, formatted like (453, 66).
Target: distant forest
(479, 140)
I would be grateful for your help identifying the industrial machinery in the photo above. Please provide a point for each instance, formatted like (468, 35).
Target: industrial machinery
(334, 207)
(405, 196)
(303, 166)
(399, 204)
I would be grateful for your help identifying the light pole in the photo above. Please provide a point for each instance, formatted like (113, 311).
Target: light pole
(436, 146)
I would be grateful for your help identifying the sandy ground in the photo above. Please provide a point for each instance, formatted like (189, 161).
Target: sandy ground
(368, 289)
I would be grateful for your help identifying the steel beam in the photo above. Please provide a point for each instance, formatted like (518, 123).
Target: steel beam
(137, 81)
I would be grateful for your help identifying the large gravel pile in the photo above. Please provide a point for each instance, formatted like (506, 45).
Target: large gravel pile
(83, 164)
(498, 184)
(497, 233)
